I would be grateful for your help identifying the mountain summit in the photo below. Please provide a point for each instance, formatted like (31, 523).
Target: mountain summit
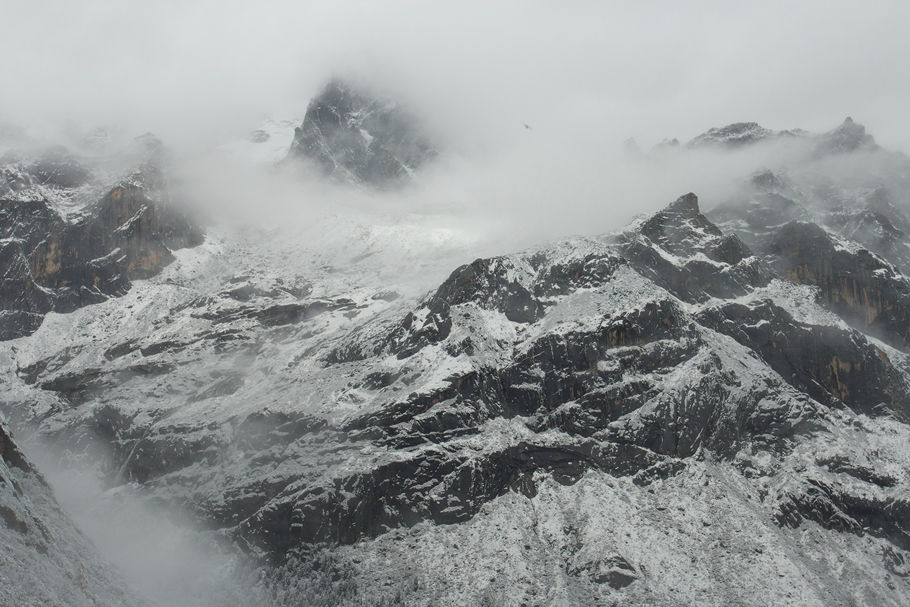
(352, 136)
(848, 137)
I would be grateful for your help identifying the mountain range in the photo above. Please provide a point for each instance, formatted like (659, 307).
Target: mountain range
(706, 407)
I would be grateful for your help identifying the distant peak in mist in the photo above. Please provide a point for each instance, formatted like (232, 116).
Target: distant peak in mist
(741, 134)
(687, 203)
(736, 134)
(351, 135)
(849, 136)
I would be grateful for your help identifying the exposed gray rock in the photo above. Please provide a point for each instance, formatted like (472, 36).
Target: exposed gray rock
(350, 135)
(48, 263)
(860, 287)
(848, 137)
(657, 417)
(733, 135)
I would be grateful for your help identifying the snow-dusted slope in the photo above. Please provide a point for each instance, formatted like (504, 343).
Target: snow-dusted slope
(311, 406)
(265, 145)
(45, 560)
(53, 257)
(685, 412)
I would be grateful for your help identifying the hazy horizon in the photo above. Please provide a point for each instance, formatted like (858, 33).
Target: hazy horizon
(199, 73)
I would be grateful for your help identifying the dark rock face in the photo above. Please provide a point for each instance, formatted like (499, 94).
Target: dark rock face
(60, 168)
(860, 287)
(756, 220)
(879, 232)
(614, 570)
(884, 231)
(840, 509)
(54, 168)
(48, 264)
(23, 226)
(827, 363)
(840, 464)
(714, 264)
(353, 137)
(487, 283)
(394, 495)
(10, 453)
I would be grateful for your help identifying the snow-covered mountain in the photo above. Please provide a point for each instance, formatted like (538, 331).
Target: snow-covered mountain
(706, 407)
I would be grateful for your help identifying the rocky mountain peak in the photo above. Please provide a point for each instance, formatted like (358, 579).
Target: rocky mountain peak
(732, 135)
(349, 134)
(54, 168)
(848, 137)
(684, 252)
(687, 204)
(680, 226)
(57, 166)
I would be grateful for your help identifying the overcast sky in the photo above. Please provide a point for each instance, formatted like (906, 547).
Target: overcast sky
(593, 69)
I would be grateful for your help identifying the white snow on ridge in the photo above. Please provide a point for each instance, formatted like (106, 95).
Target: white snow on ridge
(267, 144)
(800, 301)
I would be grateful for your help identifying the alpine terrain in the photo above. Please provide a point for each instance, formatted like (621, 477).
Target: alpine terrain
(710, 406)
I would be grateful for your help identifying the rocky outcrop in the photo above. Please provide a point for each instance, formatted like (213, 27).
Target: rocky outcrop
(351, 136)
(733, 135)
(47, 263)
(879, 225)
(756, 216)
(860, 287)
(848, 137)
(684, 252)
(396, 494)
(831, 365)
(53, 168)
(838, 508)
(59, 167)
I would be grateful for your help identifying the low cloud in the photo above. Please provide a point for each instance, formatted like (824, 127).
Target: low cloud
(594, 72)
